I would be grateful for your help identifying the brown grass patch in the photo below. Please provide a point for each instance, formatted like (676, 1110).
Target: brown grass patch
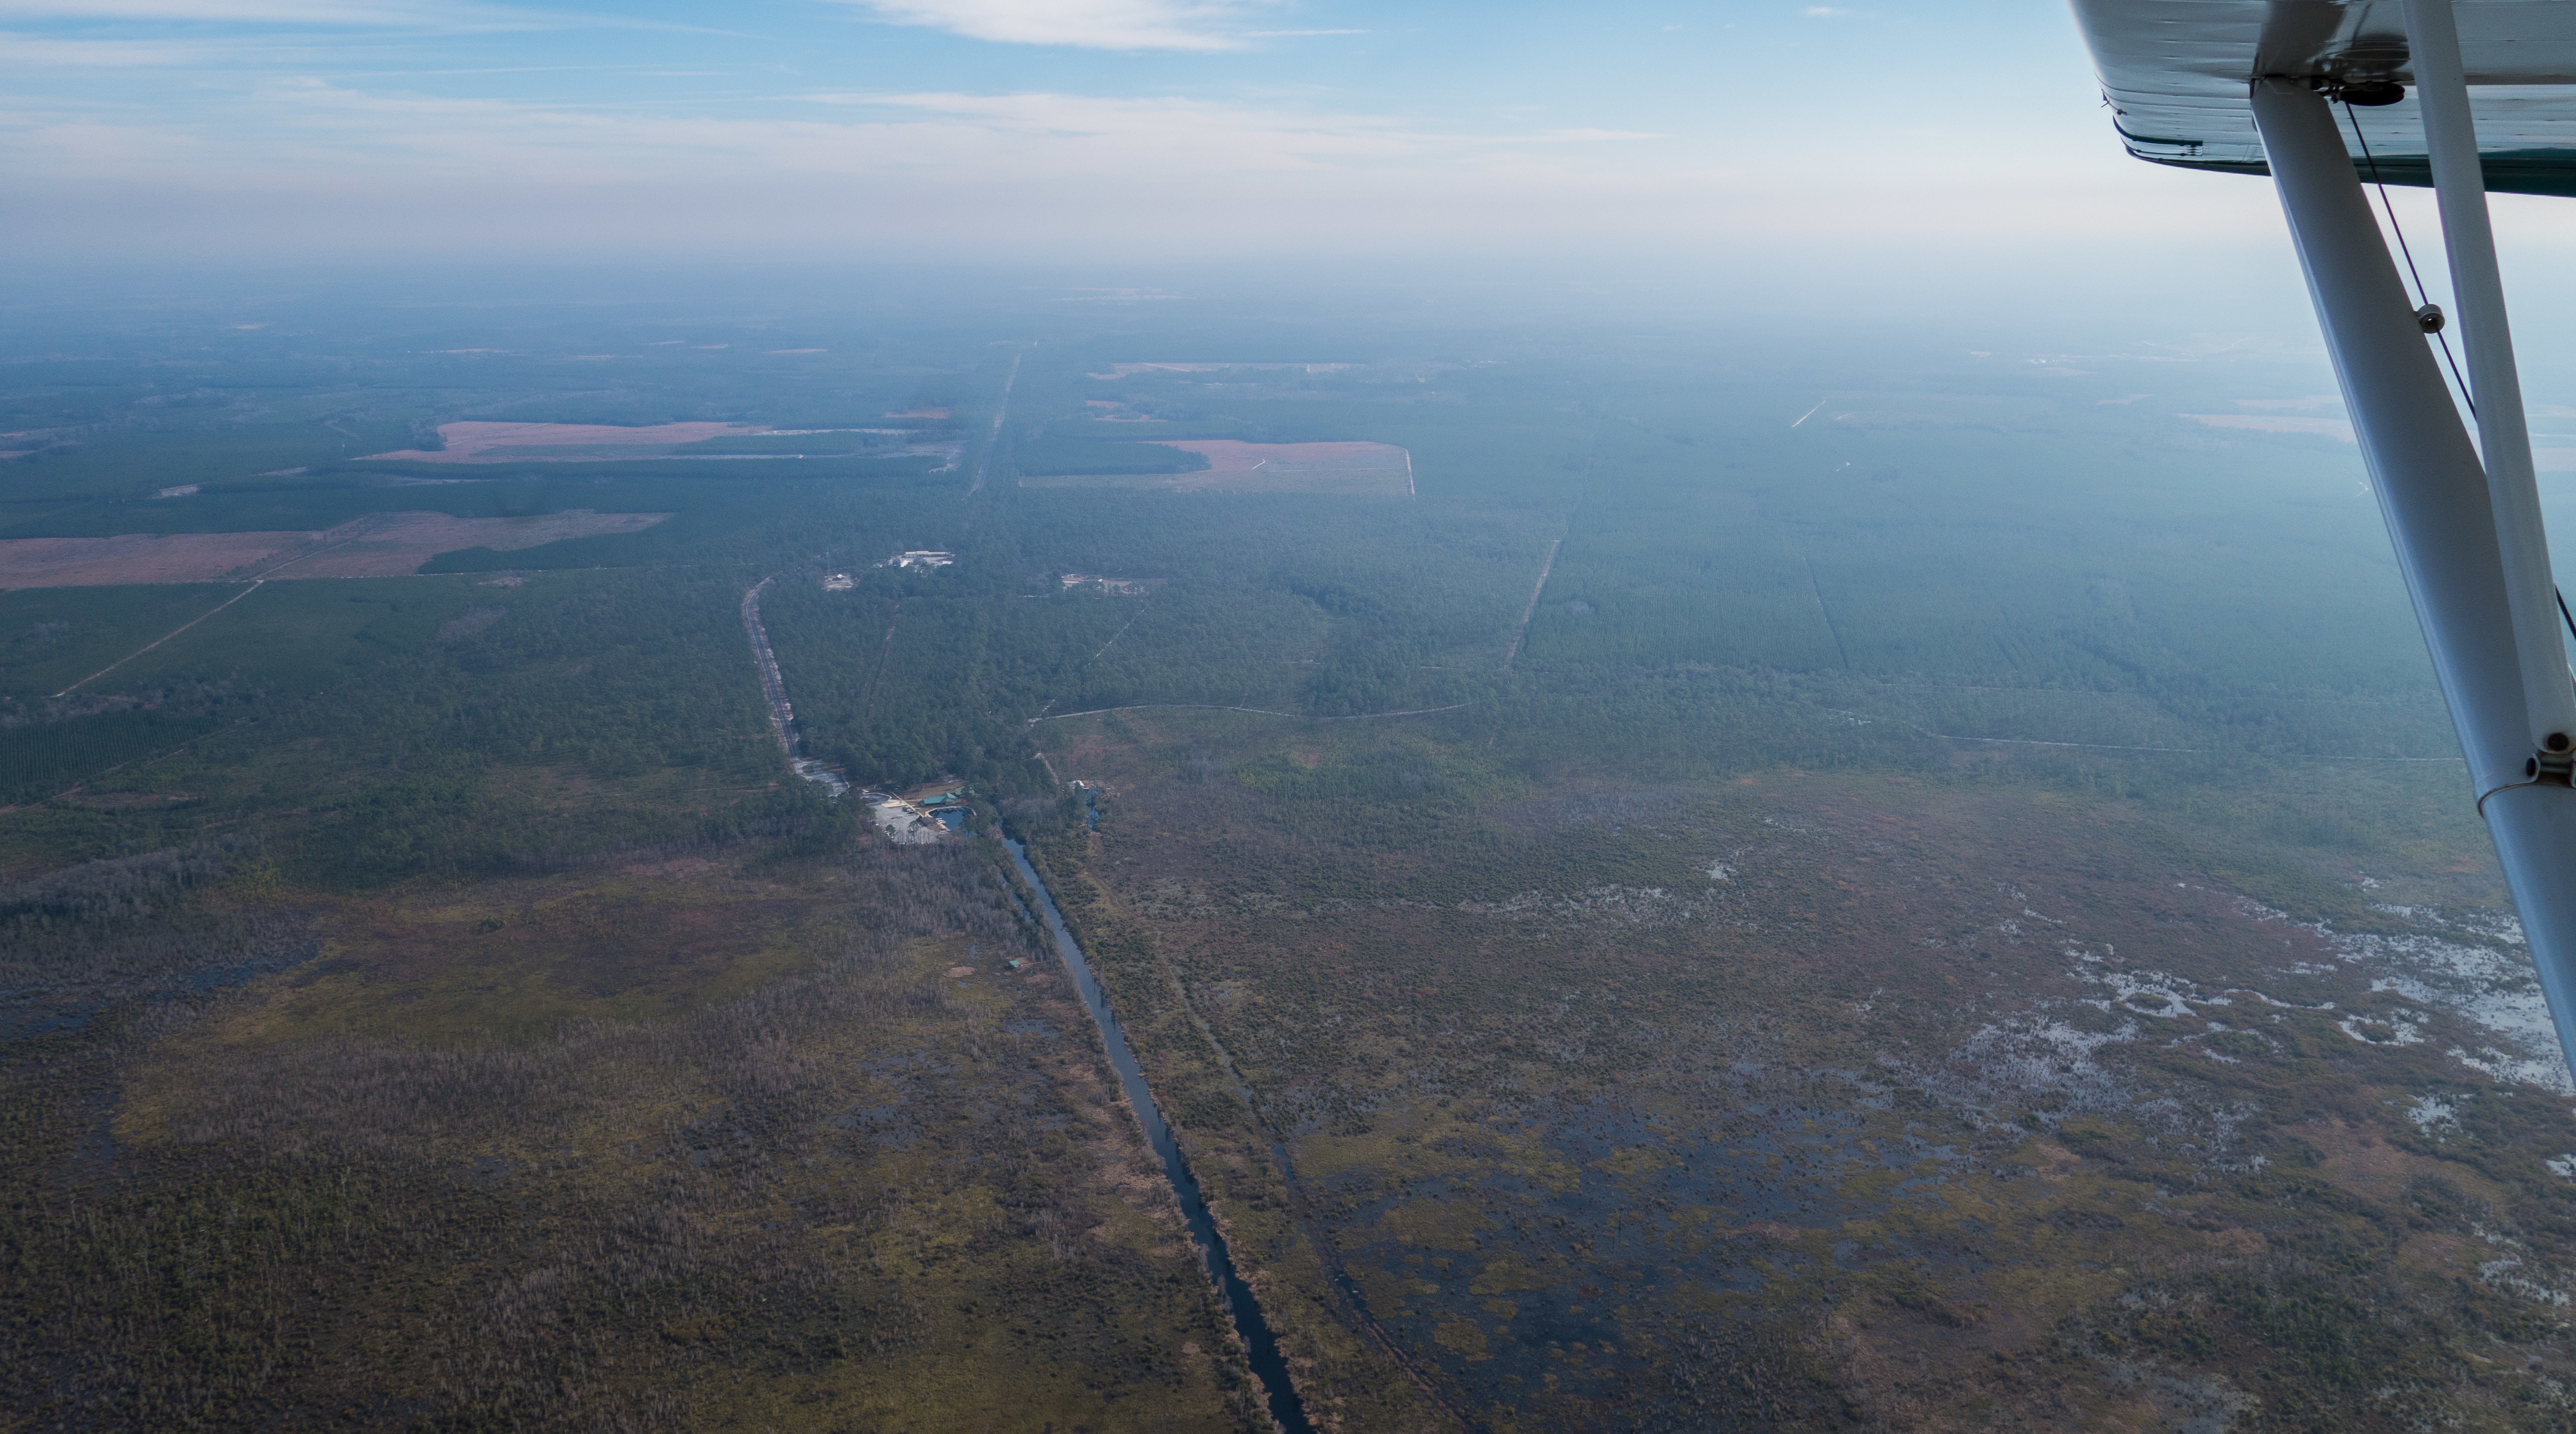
(517, 958)
(547, 442)
(2361, 1160)
(379, 545)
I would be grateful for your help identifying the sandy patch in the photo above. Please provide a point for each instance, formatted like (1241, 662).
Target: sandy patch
(549, 442)
(2277, 423)
(379, 545)
(1351, 469)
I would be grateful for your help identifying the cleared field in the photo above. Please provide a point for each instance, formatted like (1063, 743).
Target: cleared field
(1122, 370)
(139, 558)
(379, 545)
(2276, 423)
(1352, 469)
(558, 442)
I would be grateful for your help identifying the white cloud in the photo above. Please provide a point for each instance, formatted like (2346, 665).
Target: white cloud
(308, 163)
(1591, 136)
(1089, 24)
(39, 50)
(440, 16)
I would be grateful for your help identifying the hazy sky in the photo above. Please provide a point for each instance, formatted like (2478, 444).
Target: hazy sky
(1810, 151)
(1011, 125)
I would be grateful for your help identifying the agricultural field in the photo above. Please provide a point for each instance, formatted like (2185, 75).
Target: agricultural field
(380, 545)
(1659, 882)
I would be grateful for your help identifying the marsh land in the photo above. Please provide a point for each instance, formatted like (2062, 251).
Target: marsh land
(1660, 880)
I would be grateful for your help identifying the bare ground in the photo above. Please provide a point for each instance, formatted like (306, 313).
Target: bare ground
(523, 442)
(379, 545)
(1355, 469)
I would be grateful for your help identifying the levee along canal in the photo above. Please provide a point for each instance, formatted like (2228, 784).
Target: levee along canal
(1267, 1364)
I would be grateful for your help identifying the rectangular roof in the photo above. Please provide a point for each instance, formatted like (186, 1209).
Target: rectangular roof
(2175, 73)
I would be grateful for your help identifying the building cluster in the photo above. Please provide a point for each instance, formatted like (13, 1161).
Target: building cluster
(921, 818)
(923, 558)
(838, 582)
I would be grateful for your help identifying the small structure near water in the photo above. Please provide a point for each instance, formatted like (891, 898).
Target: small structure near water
(922, 815)
(905, 824)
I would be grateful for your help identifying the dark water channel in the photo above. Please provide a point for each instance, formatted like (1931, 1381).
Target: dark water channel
(1267, 1365)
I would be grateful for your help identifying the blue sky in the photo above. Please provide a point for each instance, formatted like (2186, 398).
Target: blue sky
(1040, 129)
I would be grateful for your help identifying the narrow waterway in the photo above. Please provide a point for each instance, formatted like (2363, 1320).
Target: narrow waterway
(1267, 1364)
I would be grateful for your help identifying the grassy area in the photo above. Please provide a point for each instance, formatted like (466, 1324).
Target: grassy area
(715, 1140)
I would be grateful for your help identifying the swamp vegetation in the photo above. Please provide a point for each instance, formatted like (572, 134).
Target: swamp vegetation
(1954, 912)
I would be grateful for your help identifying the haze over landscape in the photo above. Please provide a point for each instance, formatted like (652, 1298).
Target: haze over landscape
(1119, 715)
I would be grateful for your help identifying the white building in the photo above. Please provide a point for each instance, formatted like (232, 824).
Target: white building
(924, 558)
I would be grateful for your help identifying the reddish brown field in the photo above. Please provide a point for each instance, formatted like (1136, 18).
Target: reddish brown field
(523, 442)
(380, 545)
(139, 558)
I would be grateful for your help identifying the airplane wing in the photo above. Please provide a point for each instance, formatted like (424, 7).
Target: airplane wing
(2175, 72)
(2466, 96)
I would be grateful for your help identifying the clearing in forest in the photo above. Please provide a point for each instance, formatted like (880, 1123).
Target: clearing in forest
(1350, 469)
(2278, 423)
(1122, 370)
(379, 545)
(558, 442)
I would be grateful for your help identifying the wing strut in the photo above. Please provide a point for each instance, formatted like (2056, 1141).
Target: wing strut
(2466, 543)
(2460, 189)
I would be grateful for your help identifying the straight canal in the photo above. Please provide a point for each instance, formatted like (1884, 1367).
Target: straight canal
(1267, 1365)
